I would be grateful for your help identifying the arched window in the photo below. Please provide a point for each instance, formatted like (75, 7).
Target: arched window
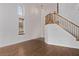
(21, 19)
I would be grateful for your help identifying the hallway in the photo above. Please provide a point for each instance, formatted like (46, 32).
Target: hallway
(24, 29)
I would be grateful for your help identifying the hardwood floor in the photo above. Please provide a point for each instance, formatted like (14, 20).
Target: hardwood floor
(37, 47)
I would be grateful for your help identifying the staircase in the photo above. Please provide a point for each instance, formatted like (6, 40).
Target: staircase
(63, 22)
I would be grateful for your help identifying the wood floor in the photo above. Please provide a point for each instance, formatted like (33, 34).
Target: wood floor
(37, 47)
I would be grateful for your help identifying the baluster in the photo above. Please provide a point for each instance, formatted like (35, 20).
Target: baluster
(60, 22)
(67, 25)
(78, 34)
(74, 30)
(64, 24)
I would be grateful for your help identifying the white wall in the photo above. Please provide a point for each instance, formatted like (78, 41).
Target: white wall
(33, 22)
(8, 25)
(70, 10)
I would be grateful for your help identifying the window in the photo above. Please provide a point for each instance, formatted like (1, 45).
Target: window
(20, 11)
(21, 19)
